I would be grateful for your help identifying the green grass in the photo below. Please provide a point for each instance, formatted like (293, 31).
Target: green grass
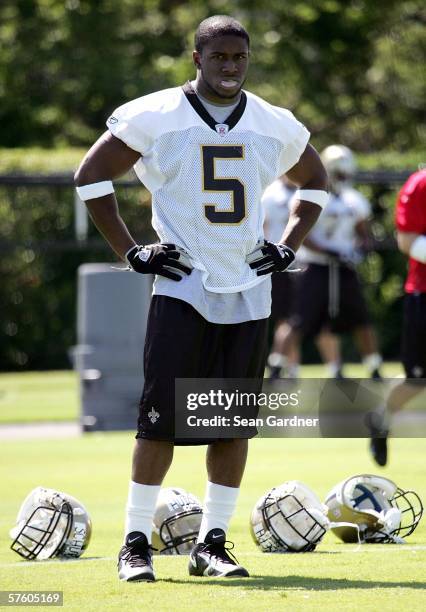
(53, 396)
(95, 469)
(38, 396)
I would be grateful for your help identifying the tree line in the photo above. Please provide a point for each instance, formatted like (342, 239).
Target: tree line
(350, 69)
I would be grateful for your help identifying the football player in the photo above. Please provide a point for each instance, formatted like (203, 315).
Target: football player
(277, 201)
(329, 292)
(206, 151)
(411, 235)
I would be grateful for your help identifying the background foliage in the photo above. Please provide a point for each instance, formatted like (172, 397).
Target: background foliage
(351, 70)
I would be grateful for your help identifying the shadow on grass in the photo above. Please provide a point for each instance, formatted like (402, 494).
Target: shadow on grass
(266, 583)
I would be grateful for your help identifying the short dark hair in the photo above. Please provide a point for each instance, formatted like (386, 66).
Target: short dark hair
(218, 25)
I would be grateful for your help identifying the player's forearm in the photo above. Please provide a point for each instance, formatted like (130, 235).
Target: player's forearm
(405, 240)
(105, 215)
(302, 218)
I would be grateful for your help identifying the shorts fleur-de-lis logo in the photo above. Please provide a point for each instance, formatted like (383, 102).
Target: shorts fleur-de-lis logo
(153, 415)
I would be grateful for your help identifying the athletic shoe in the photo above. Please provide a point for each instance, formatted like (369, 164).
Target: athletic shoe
(375, 375)
(274, 372)
(379, 450)
(211, 558)
(378, 437)
(339, 374)
(135, 559)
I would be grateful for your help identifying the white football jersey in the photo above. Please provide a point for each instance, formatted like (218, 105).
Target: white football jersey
(336, 226)
(207, 179)
(276, 201)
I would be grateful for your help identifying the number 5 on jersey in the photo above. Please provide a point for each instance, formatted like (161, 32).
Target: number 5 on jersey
(232, 185)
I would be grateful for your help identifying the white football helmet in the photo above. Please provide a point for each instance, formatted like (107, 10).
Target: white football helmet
(51, 524)
(378, 509)
(289, 518)
(340, 164)
(177, 521)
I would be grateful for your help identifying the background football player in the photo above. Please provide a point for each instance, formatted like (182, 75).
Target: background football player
(284, 359)
(329, 292)
(411, 234)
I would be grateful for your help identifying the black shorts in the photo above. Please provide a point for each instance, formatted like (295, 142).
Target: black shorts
(180, 343)
(328, 296)
(414, 336)
(282, 296)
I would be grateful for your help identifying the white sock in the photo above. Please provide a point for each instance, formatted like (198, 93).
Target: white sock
(140, 508)
(293, 370)
(372, 362)
(276, 360)
(333, 368)
(218, 508)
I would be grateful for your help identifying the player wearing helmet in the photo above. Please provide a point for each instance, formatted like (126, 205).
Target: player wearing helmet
(329, 292)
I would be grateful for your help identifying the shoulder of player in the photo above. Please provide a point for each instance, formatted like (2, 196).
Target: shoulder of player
(415, 183)
(274, 122)
(158, 101)
(257, 103)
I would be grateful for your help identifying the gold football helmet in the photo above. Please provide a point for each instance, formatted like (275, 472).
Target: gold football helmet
(289, 518)
(376, 507)
(177, 521)
(51, 524)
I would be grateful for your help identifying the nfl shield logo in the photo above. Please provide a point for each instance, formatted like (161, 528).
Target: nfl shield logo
(222, 129)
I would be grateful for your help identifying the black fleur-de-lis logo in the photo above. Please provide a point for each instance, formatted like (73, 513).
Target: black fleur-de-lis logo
(153, 415)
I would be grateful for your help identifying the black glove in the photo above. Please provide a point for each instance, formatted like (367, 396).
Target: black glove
(269, 257)
(165, 259)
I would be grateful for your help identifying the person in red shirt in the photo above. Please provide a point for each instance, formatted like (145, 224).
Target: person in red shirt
(411, 235)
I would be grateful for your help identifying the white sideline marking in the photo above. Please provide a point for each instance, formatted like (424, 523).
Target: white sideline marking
(390, 547)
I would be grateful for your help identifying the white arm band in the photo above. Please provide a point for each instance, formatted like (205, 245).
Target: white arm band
(317, 196)
(418, 249)
(95, 190)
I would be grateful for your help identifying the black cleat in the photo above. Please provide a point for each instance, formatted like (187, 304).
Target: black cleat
(379, 450)
(274, 372)
(211, 558)
(135, 559)
(379, 433)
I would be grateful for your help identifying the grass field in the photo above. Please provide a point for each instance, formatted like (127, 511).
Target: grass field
(38, 396)
(95, 469)
(53, 396)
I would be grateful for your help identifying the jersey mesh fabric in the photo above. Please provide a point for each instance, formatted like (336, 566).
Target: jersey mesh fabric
(225, 268)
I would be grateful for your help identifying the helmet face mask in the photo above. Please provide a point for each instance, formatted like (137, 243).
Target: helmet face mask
(51, 524)
(378, 510)
(289, 518)
(177, 521)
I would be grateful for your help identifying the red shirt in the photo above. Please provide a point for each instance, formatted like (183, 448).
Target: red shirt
(411, 217)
